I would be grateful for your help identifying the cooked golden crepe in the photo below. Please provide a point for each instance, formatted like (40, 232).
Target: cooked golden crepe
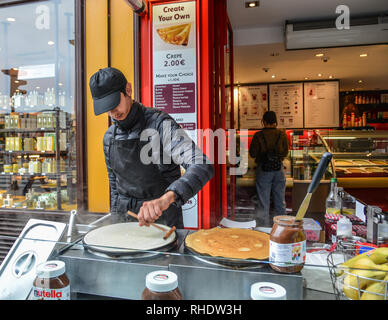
(361, 162)
(230, 243)
(343, 163)
(178, 35)
(380, 162)
(355, 170)
(374, 169)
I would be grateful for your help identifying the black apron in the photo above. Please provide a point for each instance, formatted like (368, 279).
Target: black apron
(137, 182)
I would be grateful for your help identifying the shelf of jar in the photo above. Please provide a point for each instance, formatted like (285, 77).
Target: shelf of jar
(42, 153)
(65, 208)
(381, 104)
(48, 175)
(32, 130)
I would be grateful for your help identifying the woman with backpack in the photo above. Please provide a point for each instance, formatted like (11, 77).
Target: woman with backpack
(269, 147)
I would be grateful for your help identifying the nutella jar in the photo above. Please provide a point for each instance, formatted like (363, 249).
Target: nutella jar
(287, 245)
(267, 291)
(51, 282)
(161, 285)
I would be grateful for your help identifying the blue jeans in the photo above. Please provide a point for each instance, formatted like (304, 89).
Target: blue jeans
(271, 183)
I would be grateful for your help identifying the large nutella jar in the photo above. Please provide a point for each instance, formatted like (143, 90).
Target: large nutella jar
(161, 285)
(51, 282)
(287, 245)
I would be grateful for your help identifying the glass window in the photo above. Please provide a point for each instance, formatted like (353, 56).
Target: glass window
(37, 116)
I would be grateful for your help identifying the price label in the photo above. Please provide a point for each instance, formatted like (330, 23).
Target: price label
(174, 62)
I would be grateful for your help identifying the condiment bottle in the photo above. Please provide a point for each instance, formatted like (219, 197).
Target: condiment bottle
(161, 285)
(267, 291)
(51, 282)
(344, 227)
(287, 245)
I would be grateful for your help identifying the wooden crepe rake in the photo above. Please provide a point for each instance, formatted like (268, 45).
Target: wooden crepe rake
(167, 232)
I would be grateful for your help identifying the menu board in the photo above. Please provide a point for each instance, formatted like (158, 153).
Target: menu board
(253, 102)
(286, 99)
(175, 73)
(321, 104)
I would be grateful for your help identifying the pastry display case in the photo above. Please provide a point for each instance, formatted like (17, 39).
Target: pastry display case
(360, 157)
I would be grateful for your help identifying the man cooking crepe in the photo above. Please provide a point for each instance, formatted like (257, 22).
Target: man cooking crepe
(155, 190)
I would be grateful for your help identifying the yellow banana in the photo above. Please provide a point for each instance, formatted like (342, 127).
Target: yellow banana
(376, 291)
(379, 255)
(367, 263)
(356, 281)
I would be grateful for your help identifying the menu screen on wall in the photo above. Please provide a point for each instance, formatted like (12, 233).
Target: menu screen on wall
(175, 73)
(253, 102)
(286, 99)
(321, 104)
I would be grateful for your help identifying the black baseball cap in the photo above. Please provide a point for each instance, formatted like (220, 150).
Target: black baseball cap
(105, 86)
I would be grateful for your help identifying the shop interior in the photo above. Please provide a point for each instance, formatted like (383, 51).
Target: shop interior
(262, 63)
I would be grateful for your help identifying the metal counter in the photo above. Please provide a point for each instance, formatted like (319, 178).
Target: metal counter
(125, 278)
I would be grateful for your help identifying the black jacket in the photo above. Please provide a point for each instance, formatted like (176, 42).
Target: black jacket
(175, 144)
(257, 147)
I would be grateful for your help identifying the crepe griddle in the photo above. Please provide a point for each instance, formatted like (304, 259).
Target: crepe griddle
(118, 251)
(227, 262)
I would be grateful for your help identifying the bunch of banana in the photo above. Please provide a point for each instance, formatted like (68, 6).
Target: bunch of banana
(366, 275)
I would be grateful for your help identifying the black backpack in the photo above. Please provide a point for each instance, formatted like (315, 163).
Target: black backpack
(271, 160)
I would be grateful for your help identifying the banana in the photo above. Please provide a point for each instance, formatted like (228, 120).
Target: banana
(356, 281)
(376, 291)
(367, 263)
(379, 255)
(351, 261)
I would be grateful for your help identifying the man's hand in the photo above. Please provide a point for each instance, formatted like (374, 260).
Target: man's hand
(150, 211)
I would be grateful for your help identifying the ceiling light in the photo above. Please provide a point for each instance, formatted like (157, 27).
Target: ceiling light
(50, 43)
(305, 78)
(16, 81)
(11, 19)
(37, 88)
(252, 4)
(362, 55)
(359, 81)
(352, 89)
(273, 76)
(319, 55)
(60, 84)
(330, 77)
(319, 75)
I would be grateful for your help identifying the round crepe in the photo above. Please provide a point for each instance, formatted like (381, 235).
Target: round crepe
(127, 237)
(230, 243)
(343, 163)
(361, 162)
(379, 162)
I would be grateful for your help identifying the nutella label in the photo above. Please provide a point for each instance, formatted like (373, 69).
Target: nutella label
(289, 253)
(51, 294)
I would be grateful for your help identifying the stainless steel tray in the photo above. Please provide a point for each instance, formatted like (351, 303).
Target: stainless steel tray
(33, 246)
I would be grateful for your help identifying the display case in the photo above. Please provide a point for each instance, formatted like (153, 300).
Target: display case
(360, 157)
(37, 107)
(37, 160)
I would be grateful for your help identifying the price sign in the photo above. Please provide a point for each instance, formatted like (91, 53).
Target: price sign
(174, 50)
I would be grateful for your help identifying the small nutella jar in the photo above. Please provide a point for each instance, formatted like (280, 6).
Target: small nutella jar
(267, 291)
(287, 245)
(51, 282)
(161, 285)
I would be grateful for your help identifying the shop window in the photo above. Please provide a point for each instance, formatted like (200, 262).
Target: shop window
(37, 106)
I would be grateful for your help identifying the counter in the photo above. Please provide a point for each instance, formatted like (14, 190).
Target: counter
(92, 274)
